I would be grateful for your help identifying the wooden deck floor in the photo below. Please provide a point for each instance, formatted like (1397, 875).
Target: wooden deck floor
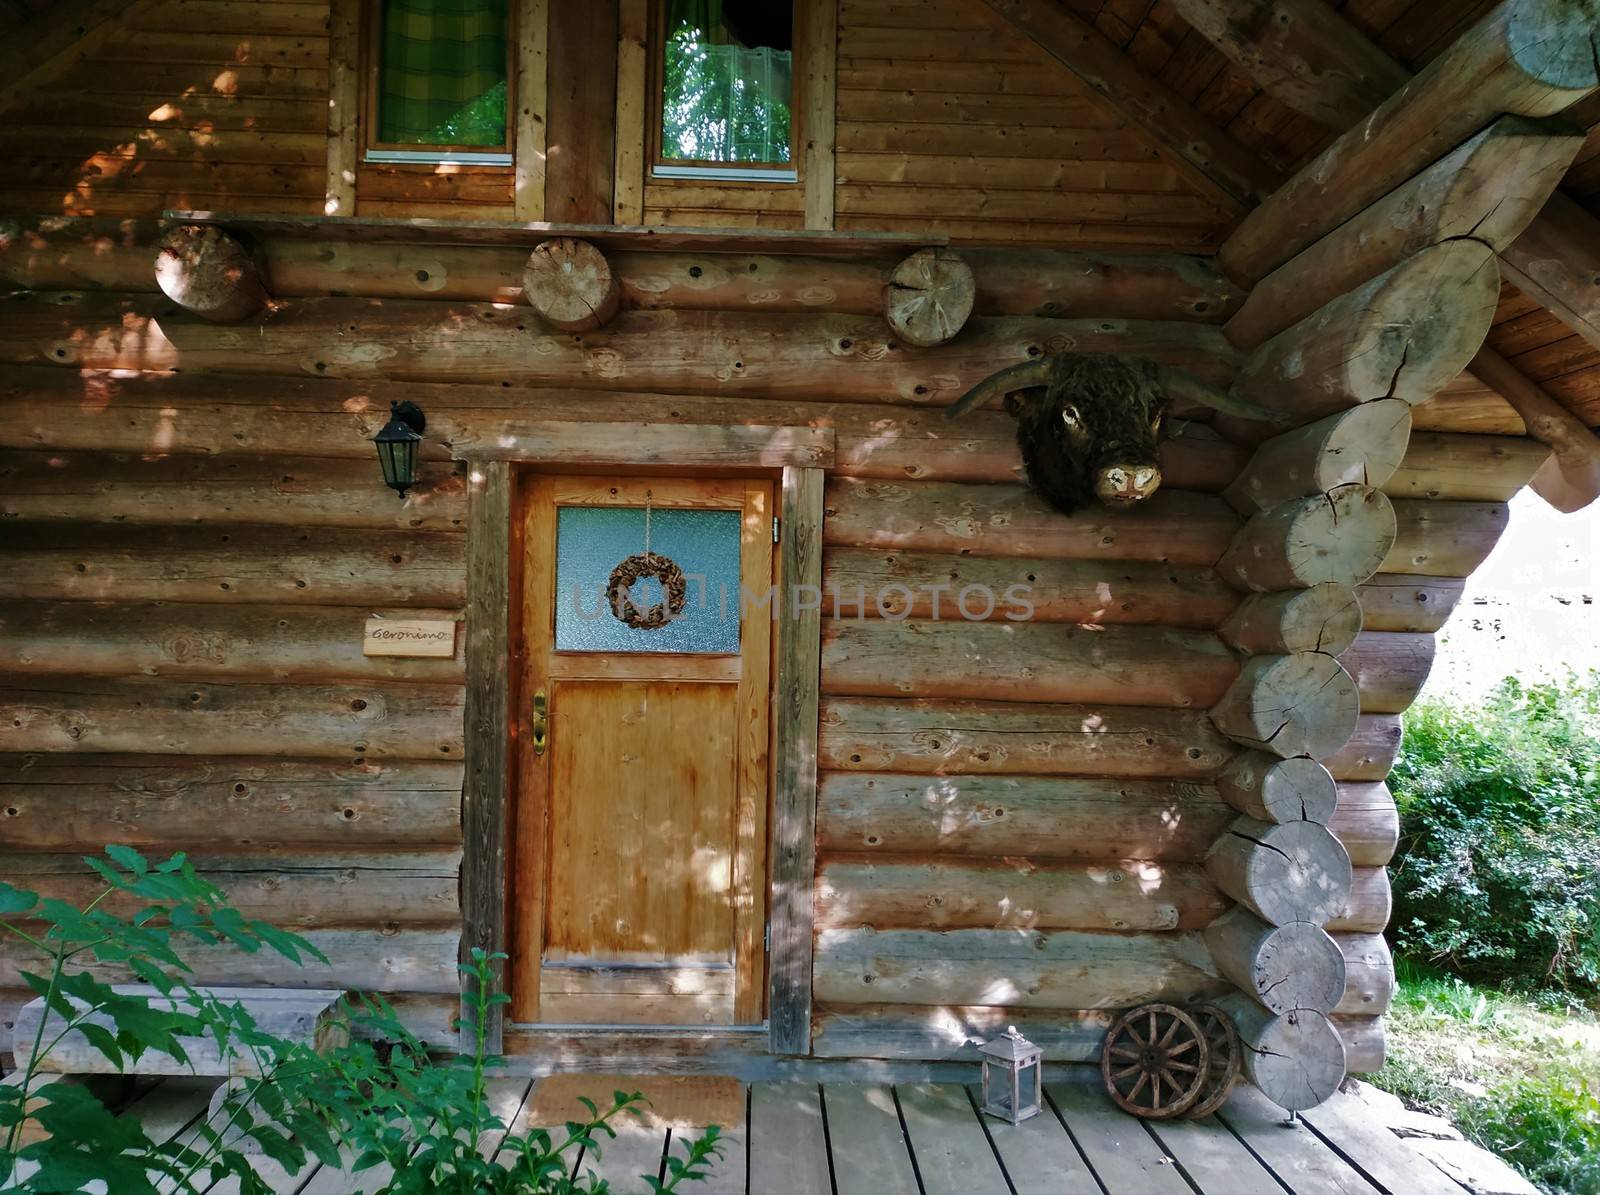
(861, 1138)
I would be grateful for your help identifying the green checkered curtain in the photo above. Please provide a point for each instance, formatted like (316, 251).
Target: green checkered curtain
(442, 73)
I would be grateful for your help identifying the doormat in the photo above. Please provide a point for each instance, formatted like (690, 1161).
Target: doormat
(670, 1101)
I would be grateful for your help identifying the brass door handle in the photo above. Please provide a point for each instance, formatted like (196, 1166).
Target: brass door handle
(541, 722)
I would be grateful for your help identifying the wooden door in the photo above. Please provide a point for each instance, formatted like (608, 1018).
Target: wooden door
(639, 870)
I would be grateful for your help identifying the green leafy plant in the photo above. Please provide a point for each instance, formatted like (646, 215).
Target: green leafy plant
(1498, 872)
(1548, 1127)
(378, 1100)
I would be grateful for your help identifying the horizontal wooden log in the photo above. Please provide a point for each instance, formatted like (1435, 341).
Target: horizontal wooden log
(1047, 817)
(88, 487)
(1488, 188)
(58, 410)
(1444, 539)
(1403, 335)
(171, 803)
(1282, 967)
(1294, 871)
(1271, 789)
(1369, 968)
(1022, 661)
(331, 566)
(1526, 57)
(869, 583)
(99, 254)
(1569, 478)
(1370, 905)
(1018, 968)
(284, 643)
(1021, 738)
(1466, 467)
(1327, 617)
(1172, 526)
(1389, 668)
(1367, 822)
(164, 717)
(1553, 263)
(372, 960)
(754, 354)
(1408, 601)
(1014, 893)
(1343, 537)
(1363, 446)
(1297, 1058)
(1289, 705)
(1364, 1045)
(1371, 750)
(430, 1018)
(302, 891)
(901, 1031)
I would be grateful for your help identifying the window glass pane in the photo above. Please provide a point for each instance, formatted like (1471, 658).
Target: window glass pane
(728, 81)
(592, 540)
(442, 73)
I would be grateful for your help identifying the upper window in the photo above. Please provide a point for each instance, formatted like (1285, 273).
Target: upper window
(437, 83)
(726, 87)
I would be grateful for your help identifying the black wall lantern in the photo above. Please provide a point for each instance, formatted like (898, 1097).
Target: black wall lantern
(397, 445)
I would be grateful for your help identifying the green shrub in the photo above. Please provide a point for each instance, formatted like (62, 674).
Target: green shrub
(1548, 1127)
(1498, 872)
(380, 1099)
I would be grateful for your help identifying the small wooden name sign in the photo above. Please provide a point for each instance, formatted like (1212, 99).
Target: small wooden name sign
(410, 637)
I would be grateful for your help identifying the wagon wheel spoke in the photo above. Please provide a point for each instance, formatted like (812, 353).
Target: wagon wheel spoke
(1126, 1071)
(1138, 1087)
(1133, 1035)
(1172, 1080)
(1171, 1031)
(1181, 1066)
(1152, 1037)
(1123, 1052)
(1155, 1090)
(1184, 1047)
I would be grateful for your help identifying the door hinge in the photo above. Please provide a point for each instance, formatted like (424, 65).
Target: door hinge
(776, 528)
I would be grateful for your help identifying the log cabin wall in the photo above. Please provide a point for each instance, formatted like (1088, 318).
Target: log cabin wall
(1012, 816)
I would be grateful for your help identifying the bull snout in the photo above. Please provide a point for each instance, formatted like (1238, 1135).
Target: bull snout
(1117, 484)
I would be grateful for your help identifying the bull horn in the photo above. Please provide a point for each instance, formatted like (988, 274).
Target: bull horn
(1180, 384)
(1014, 377)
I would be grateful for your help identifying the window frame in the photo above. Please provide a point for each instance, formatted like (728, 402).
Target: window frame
(684, 170)
(388, 154)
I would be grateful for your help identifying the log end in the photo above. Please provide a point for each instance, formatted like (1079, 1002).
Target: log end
(571, 285)
(209, 273)
(929, 297)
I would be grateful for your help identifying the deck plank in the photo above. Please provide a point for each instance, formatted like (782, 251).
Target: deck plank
(1295, 1154)
(870, 1155)
(1122, 1155)
(788, 1145)
(727, 1171)
(1038, 1154)
(505, 1096)
(952, 1151)
(637, 1150)
(1377, 1152)
(1213, 1158)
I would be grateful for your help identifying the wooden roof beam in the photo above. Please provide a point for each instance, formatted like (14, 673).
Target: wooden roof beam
(1527, 58)
(1161, 112)
(1301, 52)
(1556, 262)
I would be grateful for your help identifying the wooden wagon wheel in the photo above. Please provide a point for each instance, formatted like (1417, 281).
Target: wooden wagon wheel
(1155, 1061)
(1222, 1044)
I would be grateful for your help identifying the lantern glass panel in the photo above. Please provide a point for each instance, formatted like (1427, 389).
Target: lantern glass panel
(398, 458)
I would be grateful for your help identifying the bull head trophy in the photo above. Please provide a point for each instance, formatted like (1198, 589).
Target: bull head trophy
(1088, 423)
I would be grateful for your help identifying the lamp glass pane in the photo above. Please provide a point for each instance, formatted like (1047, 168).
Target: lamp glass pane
(397, 458)
(593, 540)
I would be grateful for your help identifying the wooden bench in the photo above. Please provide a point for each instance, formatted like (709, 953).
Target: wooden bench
(305, 1016)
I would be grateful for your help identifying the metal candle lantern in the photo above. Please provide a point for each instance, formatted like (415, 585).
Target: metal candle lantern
(397, 446)
(1013, 1081)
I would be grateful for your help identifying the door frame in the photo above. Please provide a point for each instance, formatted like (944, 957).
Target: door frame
(799, 457)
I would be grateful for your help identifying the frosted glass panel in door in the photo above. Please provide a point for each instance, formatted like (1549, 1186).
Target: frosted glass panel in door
(592, 540)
